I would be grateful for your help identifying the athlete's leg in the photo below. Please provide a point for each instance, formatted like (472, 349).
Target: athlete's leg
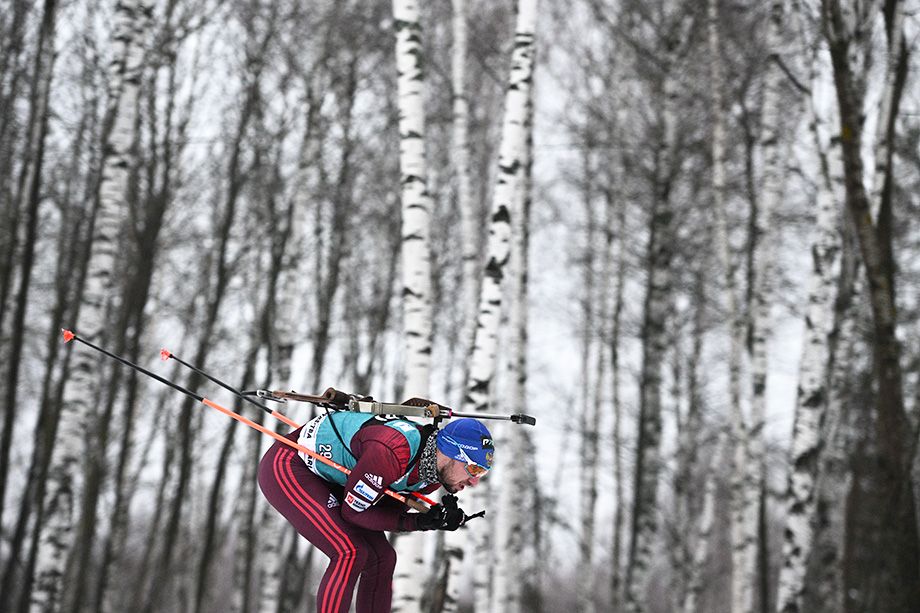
(375, 590)
(306, 501)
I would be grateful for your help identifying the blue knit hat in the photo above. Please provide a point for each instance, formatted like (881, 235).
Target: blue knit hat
(465, 439)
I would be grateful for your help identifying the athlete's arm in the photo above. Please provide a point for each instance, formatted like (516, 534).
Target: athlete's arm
(379, 464)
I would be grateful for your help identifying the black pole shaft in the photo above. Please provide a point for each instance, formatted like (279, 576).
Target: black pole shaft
(219, 382)
(175, 386)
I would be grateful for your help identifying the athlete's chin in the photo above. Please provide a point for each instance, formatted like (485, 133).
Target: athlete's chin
(453, 489)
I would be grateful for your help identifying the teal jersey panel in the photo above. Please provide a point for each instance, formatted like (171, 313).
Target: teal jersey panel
(320, 436)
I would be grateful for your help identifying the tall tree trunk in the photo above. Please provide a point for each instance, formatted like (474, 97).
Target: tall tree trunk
(127, 337)
(159, 197)
(273, 317)
(697, 553)
(834, 481)
(811, 397)
(31, 179)
(70, 274)
(695, 584)
(889, 581)
(744, 579)
(812, 394)
(738, 436)
(484, 354)
(599, 251)
(616, 575)
(509, 576)
(416, 260)
(11, 74)
(460, 158)
(209, 548)
(57, 532)
(330, 266)
(654, 345)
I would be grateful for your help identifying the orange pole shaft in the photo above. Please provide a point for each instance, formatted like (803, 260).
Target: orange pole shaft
(285, 419)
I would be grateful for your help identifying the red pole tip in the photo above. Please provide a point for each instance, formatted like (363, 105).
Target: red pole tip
(68, 335)
(165, 354)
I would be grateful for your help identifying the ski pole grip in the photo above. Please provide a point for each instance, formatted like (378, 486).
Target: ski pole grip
(520, 418)
(419, 506)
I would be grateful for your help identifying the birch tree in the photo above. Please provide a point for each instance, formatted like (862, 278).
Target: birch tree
(416, 200)
(164, 177)
(598, 262)
(705, 523)
(616, 575)
(69, 271)
(484, 354)
(416, 257)
(736, 326)
(699, 549)
(662, 173)
(29, 189)
(124, 82)
(654, 339)
(460, 154)
(835, 476)
(886, 580)
(811, 397)
(749, 456)
(509, 572)
(12, 74)
(812, 393)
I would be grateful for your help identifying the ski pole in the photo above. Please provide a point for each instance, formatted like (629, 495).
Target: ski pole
(71, 336)
(165, 354)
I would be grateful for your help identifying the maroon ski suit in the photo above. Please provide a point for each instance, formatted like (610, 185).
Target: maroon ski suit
(354, 540)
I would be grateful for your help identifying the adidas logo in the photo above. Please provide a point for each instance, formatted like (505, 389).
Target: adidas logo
(333, 503)
(375, 479)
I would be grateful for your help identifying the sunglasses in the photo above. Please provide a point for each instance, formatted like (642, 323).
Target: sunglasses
(472, 468)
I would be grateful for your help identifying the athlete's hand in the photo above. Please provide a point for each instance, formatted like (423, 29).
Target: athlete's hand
(444, 516)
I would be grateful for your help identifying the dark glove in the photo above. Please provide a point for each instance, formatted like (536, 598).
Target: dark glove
(449, 501)
(445, 516)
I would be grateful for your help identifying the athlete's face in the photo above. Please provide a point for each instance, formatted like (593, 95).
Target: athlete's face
(453, 474)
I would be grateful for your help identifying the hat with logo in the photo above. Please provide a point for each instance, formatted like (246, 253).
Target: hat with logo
(467, 440)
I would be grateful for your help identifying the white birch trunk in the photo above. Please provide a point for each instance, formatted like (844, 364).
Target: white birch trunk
(461, 162)
(416, 261)
(810, 402)
(834, 477)
(744, 579)
(416, 200)
(485, 345)
(509, 570)
(812, 395)
(56, 534)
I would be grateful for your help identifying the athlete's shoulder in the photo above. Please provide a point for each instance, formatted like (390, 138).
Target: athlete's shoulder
(395, 435)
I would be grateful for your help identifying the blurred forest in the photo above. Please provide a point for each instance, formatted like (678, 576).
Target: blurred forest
(684, 234)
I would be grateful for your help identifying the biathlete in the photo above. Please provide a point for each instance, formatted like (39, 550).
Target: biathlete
(345, 516)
